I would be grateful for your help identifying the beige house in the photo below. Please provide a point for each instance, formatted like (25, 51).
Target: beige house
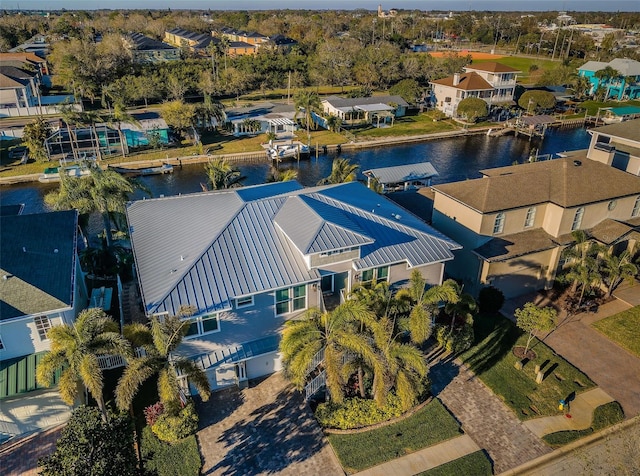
(617, 145)
(515, 221)
(492, 82)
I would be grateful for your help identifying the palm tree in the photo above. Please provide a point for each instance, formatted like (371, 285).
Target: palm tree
(75, 349)
(159, 341)
(580, 86)
(578, 254)
(616, 269)
(338, 332)
(277, 175)
(223, 175)
(252, 125)
(605, 75)
(341, 171)
(333, 123)
(307, 102)
(462, 307)
(119, 116)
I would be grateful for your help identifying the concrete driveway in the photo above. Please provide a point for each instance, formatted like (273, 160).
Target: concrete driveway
(264, 429)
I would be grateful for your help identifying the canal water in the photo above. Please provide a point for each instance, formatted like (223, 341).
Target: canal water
(455, 159)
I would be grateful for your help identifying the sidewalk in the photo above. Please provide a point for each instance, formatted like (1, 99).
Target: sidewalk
(424, 459)
(581, 411)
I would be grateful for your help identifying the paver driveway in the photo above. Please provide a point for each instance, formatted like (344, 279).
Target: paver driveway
(264, 429)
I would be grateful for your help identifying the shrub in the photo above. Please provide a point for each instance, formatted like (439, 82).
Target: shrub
(179, 459)
(490, 299)
(457, 341)
(357, 413)
(172, 428)
(152, 412)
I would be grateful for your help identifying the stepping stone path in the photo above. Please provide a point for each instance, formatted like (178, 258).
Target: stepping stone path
(484, 417)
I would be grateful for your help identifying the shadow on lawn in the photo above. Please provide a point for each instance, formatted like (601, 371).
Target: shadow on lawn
(493, 348)
(273, 437)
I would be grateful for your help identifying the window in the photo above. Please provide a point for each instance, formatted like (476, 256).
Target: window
(498, 225)
(43, 324)
(291, 299)
(375, 275)
(636, 208)
(577, 219)
(531, 216)
(244, 301)
(203, 325)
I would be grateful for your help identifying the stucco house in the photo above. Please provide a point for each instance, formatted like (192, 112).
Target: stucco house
(624, 86)
(41, 285)
(492, 82)
(249, 259)
(145, 50)
(617, 145)
(515, 221)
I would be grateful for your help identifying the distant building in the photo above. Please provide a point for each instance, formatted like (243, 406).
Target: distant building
(196, 42)
(622, 87)
(147, 50)
(401, 178)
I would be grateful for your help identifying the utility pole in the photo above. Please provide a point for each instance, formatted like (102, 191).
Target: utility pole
(569, 45)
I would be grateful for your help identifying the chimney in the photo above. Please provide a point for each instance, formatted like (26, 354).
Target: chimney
(456, 79)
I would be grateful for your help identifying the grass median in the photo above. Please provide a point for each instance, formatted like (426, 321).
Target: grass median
(622, 328)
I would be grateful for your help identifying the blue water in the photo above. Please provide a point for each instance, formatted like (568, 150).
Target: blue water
(455, 159)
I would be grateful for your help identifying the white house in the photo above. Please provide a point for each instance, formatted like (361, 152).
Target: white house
(41, 285)
(249, 259)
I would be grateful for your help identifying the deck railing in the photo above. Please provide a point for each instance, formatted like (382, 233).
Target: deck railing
(315, 385)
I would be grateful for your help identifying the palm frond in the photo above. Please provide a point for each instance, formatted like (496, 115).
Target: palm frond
(91, 375)
(135, 374)
(68, 386)
(196, 376)
(47, 367)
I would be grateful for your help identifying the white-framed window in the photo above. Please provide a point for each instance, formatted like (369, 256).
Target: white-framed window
(244, 301)
(375, 275)
(498, 224)
(577, 219)
(205, 324)
(43, 324)
(530, 218)
(291, 299)
(636, 208)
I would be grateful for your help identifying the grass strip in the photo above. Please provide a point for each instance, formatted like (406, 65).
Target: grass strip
(603, 416)
(622, 328)
(476, 464)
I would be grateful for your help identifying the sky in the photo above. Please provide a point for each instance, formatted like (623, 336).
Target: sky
(445, 5)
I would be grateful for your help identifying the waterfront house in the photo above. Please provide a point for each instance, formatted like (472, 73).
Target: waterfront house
(248, 259)
(145, 50)
(41, 285)
(401, 177)
(617, 145)
(515, 221)
(492, 82)
(262, 117)
(625, 85)
(374, 110)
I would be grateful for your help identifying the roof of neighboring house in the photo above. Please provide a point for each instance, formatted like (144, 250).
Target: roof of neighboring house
(625, 130)
(609, 231)
(339, 102)
(593, 66)
(7, 82)
(15, 73)
(144, 43)
(24, 56)
(492, 67)
(515, 245)
(557, 181)
(206, 249)
(241, 44)
(403, 173)
(37, 259)
(202, 38)
(281, 40)
(259, 109)
(467, 82)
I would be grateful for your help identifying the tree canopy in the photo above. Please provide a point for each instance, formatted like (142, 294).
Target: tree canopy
(472, 109)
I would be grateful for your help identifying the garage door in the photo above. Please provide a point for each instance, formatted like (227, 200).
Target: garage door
(522, 281)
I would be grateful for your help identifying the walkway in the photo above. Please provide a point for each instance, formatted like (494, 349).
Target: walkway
(425, 459)
(20, 457)
(264, 429)
(581, 411)
(484, 417)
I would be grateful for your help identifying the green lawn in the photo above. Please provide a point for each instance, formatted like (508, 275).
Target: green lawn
(491, 358)
(593, 106)
(408, 125)
(523, 64)
(623, 328)
(473, 464)
(603, 416)
(431, 425)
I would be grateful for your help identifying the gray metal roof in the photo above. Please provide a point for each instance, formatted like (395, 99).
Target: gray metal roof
(403, 173)
(206, 249)
(37, 263)
(338, 102)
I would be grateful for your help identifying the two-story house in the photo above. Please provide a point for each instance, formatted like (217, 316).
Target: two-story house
(195, 42)
(249, 259)
(41, 285)
(617, 145)
(145, 50)
(624, 85)
(492, 82)
(19, 87)
(515, 221)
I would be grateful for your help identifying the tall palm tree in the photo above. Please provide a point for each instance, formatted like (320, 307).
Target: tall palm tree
(104, 191)
(75, 349)
(119, 116)
(616, 269)
(222, 175)
(334, 122)
(159, 341)
(341, 171)
(579, 253)
(606, 75)
(338, 332)
(306, 102)
(462, 307)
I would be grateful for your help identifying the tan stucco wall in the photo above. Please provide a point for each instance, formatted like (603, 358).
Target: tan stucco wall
(597, 212)
(458, 212)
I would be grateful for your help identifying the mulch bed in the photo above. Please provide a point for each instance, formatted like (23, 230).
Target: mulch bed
(518, 351)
